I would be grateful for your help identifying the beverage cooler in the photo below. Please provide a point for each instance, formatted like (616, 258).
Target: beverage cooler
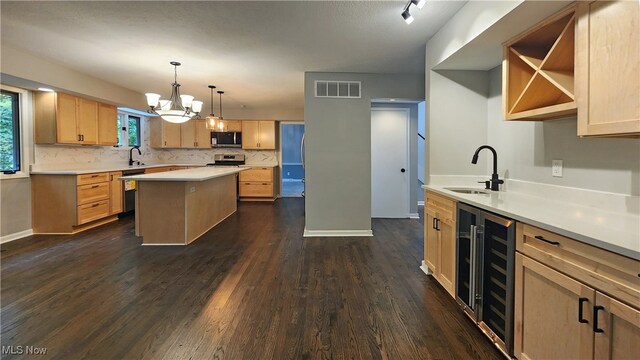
(485, 272)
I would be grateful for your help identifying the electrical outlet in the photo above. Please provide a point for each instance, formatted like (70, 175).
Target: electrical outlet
(288, 173)
(556, 168)
(192, 189)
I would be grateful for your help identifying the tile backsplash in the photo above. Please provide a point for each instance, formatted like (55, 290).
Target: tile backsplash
(74, 154)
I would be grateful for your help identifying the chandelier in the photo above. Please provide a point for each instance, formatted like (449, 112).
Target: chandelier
(179, 108)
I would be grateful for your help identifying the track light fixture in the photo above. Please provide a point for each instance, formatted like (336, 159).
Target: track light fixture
(419, 3)
(406, 15)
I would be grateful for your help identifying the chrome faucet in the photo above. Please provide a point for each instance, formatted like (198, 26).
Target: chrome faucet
(495, 181)
(131, 154)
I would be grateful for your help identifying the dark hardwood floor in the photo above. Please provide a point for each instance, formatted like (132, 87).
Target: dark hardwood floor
(252, 288)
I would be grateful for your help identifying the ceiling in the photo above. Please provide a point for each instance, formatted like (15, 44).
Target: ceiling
(256, 51)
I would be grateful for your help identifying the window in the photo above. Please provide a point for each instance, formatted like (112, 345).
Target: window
(9, 132)
(129, 133)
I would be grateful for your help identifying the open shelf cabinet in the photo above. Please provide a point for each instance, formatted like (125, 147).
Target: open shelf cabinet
(538, 70)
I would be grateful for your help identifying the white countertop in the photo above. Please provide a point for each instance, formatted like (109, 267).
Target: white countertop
(77, 170)
(70, 169)
(614, 231)
(195, 174)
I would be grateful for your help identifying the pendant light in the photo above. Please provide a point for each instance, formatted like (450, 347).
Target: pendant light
(179, 108)
(220, 119)
(211, 120)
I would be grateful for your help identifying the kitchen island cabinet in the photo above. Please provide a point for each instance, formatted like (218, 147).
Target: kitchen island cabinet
(177, 207)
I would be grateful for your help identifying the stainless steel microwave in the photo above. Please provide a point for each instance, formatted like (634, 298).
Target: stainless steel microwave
(226, 139)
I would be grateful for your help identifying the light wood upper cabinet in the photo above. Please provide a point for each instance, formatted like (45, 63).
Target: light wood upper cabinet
(107, 124)
(164, 134)
(203, 135)
(195, 135)
(608, 68)
(538, 70)
(66, 119)
(440, 239)
(228, 126)
(87, 121)
(259, 134)
(188, 134)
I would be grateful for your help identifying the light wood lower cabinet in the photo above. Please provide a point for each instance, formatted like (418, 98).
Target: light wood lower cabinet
(116, 195)
(258, 184)
(67, 204)
(440, 239)
(572, 300)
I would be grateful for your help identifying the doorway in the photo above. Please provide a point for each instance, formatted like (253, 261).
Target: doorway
(390, 170)
(292, 159)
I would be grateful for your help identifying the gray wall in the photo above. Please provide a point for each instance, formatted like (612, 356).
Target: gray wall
(457, 122)
(465, 111)
(338, 148)
(15, 211)
(526, 149)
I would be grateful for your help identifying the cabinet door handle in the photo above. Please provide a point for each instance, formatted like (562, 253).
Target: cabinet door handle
(596, 308)
(94, 205)
(433, 223)
(581, 302)
(438, 224)
(79, 138)
(95, 186)
(265, 184)
(94, 176)
(541, 238)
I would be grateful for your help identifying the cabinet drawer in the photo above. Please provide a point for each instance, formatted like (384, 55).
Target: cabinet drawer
(610, 273)
(257, 174)
(93, 192)
(444, 206)
(256, 189)
(92, 178)
(93, 211)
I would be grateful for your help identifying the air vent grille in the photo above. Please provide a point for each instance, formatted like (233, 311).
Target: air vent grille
(338, 89)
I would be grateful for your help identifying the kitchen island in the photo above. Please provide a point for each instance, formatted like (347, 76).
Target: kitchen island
(177, 207)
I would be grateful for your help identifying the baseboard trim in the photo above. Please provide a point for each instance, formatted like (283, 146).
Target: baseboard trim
(414, 216)
(336, 233)
(167, 244)
(421, 203)
(425, 268)
(15, 236)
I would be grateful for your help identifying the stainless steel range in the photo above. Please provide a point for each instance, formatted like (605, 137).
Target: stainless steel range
(227, 160)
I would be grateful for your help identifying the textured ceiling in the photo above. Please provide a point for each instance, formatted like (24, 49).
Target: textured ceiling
(256, 51)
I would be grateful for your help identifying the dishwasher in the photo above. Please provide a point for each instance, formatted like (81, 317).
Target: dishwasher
(485, 258)
(130, 190)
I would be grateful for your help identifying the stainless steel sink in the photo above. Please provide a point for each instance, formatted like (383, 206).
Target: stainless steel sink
(469, 191)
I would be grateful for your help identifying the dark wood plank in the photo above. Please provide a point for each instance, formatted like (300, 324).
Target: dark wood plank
(250, 288)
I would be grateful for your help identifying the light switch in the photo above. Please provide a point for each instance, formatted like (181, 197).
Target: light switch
(556, 168)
